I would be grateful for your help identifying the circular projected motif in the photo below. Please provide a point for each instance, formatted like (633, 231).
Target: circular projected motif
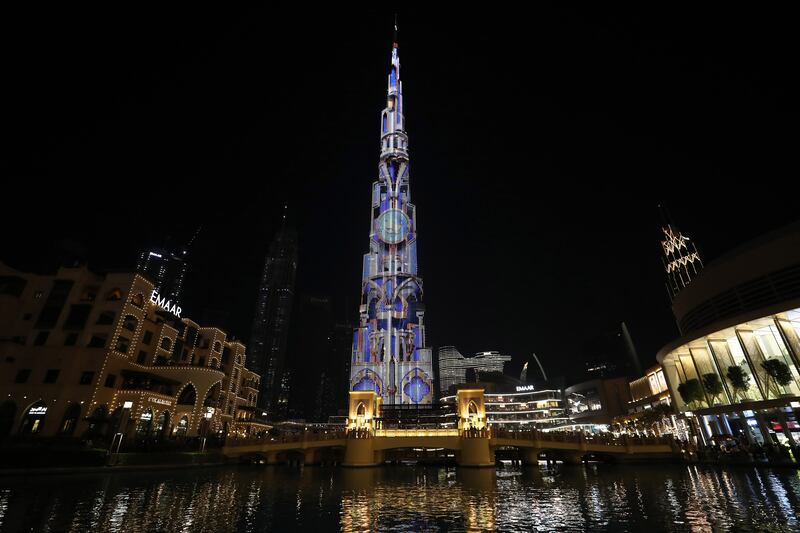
(393, 226)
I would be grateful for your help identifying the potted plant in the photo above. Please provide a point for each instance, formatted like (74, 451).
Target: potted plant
(778, 375)
(739, 380)
(713, 386)
(690, 392)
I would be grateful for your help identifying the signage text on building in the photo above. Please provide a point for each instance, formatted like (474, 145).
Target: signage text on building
(523, 388)
(164, 304)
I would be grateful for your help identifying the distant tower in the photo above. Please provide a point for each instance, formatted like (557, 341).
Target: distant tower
(681, 260)
(454, 367)
(389, 354)
(166, 268)
(266, 353)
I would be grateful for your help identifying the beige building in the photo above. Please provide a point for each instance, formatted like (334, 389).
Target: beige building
(86, 355)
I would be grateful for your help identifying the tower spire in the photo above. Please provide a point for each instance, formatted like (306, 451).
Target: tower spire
(681, 260)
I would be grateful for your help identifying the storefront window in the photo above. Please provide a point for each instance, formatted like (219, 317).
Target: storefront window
(710, 379)
(733, 365)
(182, 427)
(780, 374)
(145, 423)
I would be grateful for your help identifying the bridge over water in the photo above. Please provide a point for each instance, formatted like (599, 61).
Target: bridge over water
(473, 442)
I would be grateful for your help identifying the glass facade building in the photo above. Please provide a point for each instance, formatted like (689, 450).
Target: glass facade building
(736, 370)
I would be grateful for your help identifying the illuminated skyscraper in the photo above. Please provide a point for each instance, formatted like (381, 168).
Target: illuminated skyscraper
(166, 269)
(681, 260)
(389, 352)
(453, 366)
(268, 336)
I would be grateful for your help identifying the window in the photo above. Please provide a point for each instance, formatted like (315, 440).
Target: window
(142, 357)
(71, 339)
(130, 323)
(216, 346)
(138, 300)
(22, 375)
(122, 344)
(114, 295)
(148, 337)
(105, 318)
(54, 303)
(166, 344)
(111, 379)
(98, 341)
(77, 317)
(89, 294)
(41, 338)
(51, 376)
(87, 377)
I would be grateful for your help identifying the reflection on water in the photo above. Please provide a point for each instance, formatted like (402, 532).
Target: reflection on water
(602, 498)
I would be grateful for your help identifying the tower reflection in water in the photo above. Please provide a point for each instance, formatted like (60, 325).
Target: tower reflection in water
(425, 497)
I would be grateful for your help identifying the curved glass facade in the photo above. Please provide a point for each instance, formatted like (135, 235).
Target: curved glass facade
(752, 361)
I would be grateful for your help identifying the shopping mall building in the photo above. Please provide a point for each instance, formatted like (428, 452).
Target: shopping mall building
(736, 369)
(87, 355)
(518, 407)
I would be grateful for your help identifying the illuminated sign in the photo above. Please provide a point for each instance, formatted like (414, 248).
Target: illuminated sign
(147, 415)
(164, 304)
(159, 401)
(523, 388)
(40, 410)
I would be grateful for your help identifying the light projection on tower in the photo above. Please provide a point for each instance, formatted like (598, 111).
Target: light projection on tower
(389, 350)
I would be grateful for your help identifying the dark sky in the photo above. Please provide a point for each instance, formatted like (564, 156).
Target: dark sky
(541, 144)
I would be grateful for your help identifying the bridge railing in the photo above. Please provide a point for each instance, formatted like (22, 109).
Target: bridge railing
(288, 438)
(577, 436)
(428, 432)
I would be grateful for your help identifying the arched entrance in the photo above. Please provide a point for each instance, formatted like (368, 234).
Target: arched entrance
(188, 395)
(33, 421)
(70, 420)
(7, 411)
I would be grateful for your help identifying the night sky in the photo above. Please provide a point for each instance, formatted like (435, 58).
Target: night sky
(541, 144)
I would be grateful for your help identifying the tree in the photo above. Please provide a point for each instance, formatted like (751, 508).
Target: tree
(739, 380)
(690, 392)
(654, 417)
(713, 386)
(778, 375)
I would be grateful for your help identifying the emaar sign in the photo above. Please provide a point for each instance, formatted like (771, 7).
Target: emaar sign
(166, 305)
(523, 388)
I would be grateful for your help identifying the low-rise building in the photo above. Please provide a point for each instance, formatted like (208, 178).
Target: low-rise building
(648, 391)
(593, 404)
(88, 355)
(520, 406)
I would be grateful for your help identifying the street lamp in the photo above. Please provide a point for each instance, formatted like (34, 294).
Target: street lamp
(209, 415)
(123, 421)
